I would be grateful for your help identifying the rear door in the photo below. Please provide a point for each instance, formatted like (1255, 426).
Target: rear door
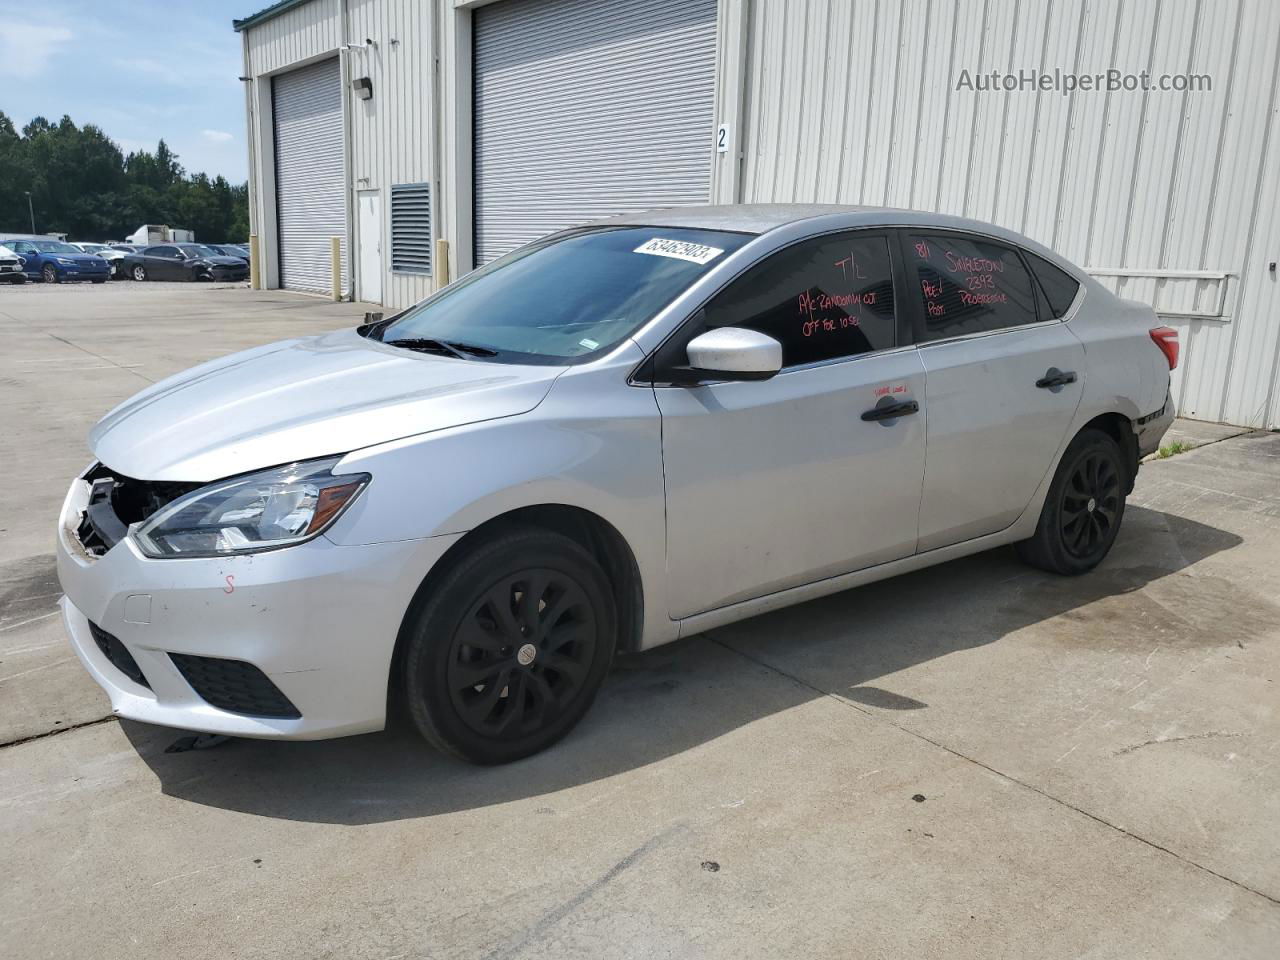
(1003, 379)
(776, 483)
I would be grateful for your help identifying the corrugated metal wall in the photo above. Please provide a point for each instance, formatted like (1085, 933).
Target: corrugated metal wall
(392, 134)
(299, 34)
(854, 101)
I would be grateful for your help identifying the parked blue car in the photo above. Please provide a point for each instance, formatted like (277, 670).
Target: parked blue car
(54, 261)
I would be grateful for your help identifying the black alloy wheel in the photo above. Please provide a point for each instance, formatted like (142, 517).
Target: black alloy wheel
(1083, 507)
(507, 644)
(49, 273)
(1091, 500)
(521, 653)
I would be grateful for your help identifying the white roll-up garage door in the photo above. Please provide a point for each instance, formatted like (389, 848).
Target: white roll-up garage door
(307, 107)
(588, 108)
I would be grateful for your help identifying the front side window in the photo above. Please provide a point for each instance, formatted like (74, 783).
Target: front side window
(967, 285)
(822, 299)
(564, 297)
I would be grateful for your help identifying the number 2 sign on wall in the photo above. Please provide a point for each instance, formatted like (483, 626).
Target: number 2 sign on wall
(722, 138)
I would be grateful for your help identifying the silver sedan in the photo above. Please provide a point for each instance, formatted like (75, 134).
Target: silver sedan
(615, 436)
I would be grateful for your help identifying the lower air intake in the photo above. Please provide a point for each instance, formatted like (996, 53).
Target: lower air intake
(118, 654)
(234, 686)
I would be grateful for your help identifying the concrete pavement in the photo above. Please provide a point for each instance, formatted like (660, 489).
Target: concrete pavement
(977, 760)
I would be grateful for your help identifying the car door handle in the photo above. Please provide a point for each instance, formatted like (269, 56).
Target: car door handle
(891, 410)
(1056, 378)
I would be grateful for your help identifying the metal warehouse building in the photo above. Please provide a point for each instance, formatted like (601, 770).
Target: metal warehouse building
(397, 124)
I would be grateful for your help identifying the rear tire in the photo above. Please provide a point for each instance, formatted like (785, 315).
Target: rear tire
(1083, 508)
(507, 650)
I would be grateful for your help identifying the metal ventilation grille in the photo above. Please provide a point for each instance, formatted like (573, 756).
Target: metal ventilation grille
(411, 227)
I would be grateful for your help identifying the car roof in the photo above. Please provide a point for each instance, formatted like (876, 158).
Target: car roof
(761, 218)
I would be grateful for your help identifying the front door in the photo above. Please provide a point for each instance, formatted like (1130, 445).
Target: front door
(369, 264)
(772, 484)
(1003, 381)
(162, 263)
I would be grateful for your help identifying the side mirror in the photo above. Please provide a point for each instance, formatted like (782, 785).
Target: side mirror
(733, 353)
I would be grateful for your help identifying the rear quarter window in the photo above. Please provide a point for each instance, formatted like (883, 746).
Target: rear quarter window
(1059, 287)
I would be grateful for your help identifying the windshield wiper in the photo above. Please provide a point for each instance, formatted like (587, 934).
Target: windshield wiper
(462, 351)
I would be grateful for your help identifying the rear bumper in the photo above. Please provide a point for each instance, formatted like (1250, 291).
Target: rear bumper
(319, 620)
(1150, 429)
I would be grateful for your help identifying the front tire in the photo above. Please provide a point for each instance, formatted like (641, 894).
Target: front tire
(49, 274)
(1083, 509)
(139, 273)
(507, 651)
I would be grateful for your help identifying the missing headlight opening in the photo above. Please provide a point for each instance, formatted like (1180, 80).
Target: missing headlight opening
(116, 502)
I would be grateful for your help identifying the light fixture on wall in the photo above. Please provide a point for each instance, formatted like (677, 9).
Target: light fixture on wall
(363, 87)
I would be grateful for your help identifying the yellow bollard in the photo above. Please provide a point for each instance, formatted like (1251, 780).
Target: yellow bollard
(255, 264)
(442, 263)
(335, 258)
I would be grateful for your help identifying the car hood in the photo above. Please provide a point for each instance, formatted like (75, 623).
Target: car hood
(302, 399)
(83, 259)
(223, 261)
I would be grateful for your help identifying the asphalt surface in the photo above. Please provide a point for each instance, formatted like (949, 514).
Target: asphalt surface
(977, 760)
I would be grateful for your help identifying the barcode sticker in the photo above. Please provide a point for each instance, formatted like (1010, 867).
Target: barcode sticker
(679, 250)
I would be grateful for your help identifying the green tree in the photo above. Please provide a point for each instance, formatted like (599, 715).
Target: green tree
(83, 185)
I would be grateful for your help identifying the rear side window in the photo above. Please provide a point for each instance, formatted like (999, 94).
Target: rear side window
(161, 252)
(1059, 287)
(822, 299)
(967, 285)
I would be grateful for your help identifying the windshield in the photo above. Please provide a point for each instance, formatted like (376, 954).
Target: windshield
(54, 246)
(567, 296)
(198, 250)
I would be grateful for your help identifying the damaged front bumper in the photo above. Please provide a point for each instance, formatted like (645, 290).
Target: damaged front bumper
(294, 643)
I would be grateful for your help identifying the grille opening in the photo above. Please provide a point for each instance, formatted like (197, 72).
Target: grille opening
(118, 654)
(234, 686)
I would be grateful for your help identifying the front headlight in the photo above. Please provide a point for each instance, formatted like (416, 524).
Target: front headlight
(262, 511)
(65, 262)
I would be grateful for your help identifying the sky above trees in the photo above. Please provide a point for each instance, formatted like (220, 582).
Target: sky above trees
(140, 71)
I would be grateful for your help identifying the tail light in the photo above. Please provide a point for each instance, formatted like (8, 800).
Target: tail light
(1166, 338)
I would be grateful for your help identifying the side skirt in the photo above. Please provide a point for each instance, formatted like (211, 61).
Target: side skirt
(811, 591)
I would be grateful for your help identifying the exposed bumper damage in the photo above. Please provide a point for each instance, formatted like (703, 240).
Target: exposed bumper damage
(293, 643)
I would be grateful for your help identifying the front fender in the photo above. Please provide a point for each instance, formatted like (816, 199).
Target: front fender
(594, 443)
